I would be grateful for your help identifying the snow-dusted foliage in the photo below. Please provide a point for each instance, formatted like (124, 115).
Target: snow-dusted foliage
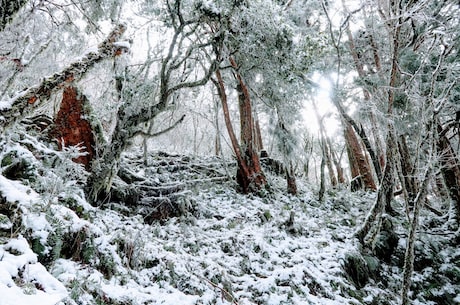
(224, 248)
(140, 227)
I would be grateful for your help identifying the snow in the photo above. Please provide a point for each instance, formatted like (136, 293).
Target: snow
(37, 286)
(122, 44)
(14, 191)
(230, 242)
(6, 104)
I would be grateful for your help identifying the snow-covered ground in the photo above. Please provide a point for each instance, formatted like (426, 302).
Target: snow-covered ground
(228, 249)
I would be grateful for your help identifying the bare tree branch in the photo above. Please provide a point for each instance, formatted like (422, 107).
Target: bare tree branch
(156, 134)
(24, 102)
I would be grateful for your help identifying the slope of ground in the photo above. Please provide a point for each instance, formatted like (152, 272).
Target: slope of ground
(221, 247)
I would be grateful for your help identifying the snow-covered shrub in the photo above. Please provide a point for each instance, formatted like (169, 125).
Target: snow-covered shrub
(51, 180)
(40, 165)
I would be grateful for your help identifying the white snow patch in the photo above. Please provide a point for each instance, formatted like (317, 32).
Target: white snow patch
(23, 280)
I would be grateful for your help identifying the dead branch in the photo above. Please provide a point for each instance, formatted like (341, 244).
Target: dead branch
(156, 134)
(24, 102)
(223, 291)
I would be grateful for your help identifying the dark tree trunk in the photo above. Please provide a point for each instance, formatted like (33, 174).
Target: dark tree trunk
(450, 170)
(291, 180)
(407, 170)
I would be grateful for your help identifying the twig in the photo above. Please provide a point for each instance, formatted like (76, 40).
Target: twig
(220, 288)
(156, 134)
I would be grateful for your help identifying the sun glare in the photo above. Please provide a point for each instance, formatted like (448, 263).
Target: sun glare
(326, 109)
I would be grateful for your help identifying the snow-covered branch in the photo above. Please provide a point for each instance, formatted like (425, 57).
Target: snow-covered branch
(24, 102)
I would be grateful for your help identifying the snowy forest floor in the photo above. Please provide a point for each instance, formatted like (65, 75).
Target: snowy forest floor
(222, 247)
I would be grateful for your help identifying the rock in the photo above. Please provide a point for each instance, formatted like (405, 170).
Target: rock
(357, 269)
(386, 241)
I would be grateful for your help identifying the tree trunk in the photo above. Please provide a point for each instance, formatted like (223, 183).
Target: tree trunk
(291, 180)
(358, 156)
(384, 194)
(217, 141)
(249, 176)
(330, 168)
(407, 170)
(71, 128)
(338, 167)
(450, 169)
(105, 168)
(356, 182)
(308, 148)
(322, 184)
(258, 136)
(410, 244)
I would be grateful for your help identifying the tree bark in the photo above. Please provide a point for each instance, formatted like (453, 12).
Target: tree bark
(330, 168)
(71, 128)
(291, 180)
(356, 182)
(450, 169)
(249, 177)
(358, 156)
(384, 194)
(258, 135)
(407, 170)
(338, 167)
(322, 183)
(410, 244)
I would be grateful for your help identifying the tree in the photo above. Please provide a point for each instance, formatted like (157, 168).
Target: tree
(362, 175)
(274, 63)
(190, 38)
(249, 176)
(264, 65)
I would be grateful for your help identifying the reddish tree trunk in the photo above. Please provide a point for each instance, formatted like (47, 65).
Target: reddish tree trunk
(354, 147)
(70, 126)
(258, 136)
(249, 175)
(356, 179)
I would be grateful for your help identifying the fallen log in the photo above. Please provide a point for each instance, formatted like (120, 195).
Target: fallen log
(23, 103)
